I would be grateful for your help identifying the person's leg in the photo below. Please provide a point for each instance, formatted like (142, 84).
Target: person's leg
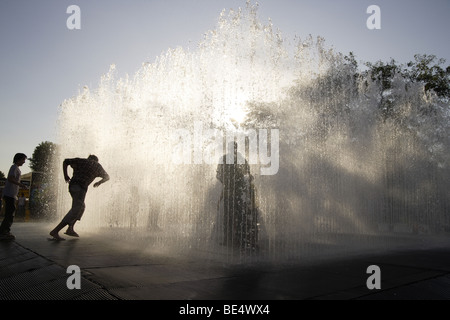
(70, 230)
(78, 204)
(225, 221)
(10, 208)
(55, 231)
(78, 194)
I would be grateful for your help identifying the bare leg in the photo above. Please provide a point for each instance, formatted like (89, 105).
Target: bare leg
(70, 231)
(54, 232)
(78, 194)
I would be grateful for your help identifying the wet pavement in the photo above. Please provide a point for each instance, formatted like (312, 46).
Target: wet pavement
(34, 268)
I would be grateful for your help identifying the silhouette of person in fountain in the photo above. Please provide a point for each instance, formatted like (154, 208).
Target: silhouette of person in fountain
(240, 225)
(84, 173)
(153, 215)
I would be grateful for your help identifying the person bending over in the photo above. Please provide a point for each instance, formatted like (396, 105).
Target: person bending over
(84, 173)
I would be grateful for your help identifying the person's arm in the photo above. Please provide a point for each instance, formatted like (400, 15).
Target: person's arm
(105, 177)
(65, 165)
(12, 179)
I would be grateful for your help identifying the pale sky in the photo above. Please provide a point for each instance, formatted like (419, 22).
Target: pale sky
(42, 62)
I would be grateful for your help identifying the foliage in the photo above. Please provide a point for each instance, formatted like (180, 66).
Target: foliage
(427, 70)
(380, 131)
(44, 170)
(41, 160)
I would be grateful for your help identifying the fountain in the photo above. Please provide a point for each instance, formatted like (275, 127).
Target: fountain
(330, 176)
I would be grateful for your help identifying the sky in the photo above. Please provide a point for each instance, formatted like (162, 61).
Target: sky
(43, 62)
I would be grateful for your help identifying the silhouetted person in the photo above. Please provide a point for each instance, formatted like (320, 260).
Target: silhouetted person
(10, 193)
(153, 215)
(238, 195)
(84, 173)
(21, 204)
(134, 206)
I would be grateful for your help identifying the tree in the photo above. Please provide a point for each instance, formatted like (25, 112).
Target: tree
(427, 69)
(42, 157)
(43, 166)
(383, 74)
(2, 175)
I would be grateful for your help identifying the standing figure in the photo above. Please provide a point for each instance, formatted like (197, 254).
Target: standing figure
(240, 223)
(22, 203)
(84, 173)
(10, 193)
(153, 215)
(134, 206)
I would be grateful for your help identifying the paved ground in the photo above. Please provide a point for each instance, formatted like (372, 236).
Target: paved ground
(33, 268)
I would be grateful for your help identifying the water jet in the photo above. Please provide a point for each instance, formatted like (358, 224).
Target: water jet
(347, 181)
